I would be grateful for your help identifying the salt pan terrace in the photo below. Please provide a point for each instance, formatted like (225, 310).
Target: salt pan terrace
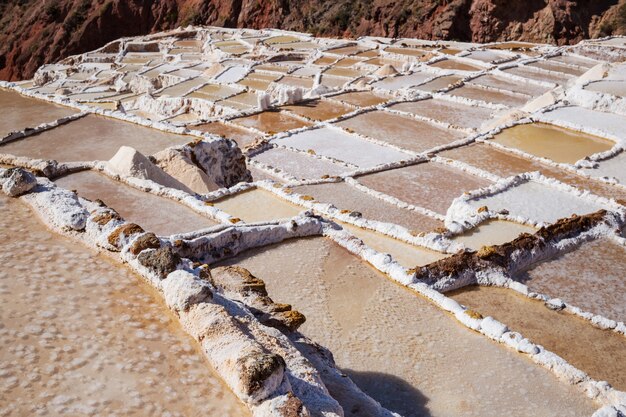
(447, 217)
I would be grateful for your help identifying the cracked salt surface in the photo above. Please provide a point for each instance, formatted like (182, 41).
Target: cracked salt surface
(399, 348)
(81, 335)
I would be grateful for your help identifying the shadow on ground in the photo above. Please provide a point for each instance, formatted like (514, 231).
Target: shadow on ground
(393, 393)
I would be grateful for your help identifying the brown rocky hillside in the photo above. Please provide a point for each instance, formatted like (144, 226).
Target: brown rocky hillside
(34, 32)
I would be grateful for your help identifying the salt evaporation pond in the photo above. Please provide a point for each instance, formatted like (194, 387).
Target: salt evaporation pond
(429, 185)
(536, 201)
(347, 197)
(399, 348)
(257, 205)
(453, 64)
(299, 165)
(492, 232)
(600, 353)
(451, 112)
(213, 92)
(590, 277)
(613, 167)
(80, 335)
(505, 164)
(612, 124)
(552, 142)
(406, 51)
(271, 122)
(240, 135)
(493, 81)
(553, 66)
(402, 81)
(401, 131)
(613, 87)
(243, 101)
(345, 147)
(538, 75)
(407, 255)
(182, 88)
(360, 98)
(474, 92)
(155, 214)
(20, 112)
(319, 109)
(440, 83)
(92, 138)
(304, 82)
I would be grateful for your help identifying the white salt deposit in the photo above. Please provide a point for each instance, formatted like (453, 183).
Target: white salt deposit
(342, 146)
(538, 202)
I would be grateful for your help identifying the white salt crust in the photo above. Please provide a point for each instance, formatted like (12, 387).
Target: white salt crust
(490, 327)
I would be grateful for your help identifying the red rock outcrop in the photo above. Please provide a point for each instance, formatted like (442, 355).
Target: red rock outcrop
(34, 32)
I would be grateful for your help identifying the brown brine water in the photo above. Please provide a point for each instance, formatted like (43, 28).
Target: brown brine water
(155, 214)
(552, 142)
(92, 138)
(600, 353)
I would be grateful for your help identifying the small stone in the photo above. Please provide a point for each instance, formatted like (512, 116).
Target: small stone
(19, 181)
(125, 230)
(260, 370)
(161, 261)
(145, 241)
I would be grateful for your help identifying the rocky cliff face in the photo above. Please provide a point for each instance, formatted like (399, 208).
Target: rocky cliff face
(34, 32)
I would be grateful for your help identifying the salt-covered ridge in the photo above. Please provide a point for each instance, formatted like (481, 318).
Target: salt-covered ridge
(174, 90)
